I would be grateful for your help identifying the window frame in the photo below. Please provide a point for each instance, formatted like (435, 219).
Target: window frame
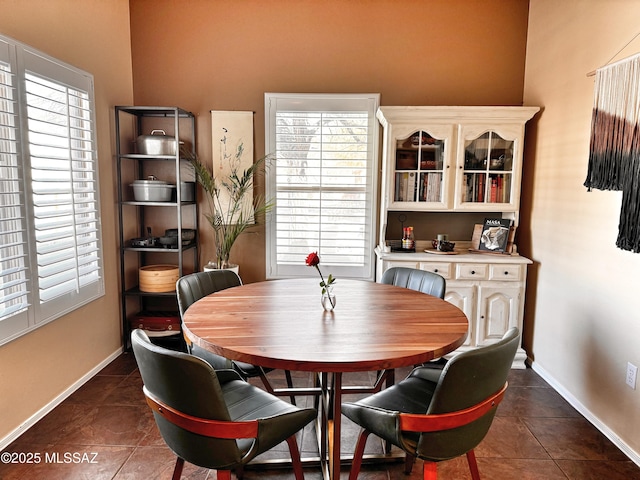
(27, 65)
(323, 102)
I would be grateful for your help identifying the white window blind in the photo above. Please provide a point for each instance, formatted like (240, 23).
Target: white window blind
(13, 239)
(63, 186)
(50, 233)
(323, 183)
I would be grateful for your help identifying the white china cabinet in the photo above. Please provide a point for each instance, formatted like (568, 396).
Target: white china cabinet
(444, 170)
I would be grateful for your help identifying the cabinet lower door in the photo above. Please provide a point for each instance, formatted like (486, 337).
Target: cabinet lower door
(464, 297)
(498, 309)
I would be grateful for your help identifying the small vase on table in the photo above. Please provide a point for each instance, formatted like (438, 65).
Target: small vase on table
(328, 300)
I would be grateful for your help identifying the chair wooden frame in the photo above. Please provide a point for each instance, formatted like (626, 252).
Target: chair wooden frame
(434, 423)
(217, 429)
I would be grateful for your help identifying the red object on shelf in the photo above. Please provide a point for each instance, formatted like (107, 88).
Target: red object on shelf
(156, 321)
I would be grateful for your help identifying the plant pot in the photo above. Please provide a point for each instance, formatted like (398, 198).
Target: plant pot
(212, 266)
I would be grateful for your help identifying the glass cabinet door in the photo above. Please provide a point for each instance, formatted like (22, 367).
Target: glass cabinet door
(419, 169)
(487, 170)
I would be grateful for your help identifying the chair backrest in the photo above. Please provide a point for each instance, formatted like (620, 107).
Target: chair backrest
(189, 385)
(467, 379)
(193, 287)
(414, 279)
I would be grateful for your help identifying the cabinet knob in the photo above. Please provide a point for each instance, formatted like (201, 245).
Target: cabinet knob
(473, 272)
(506, 272)
(435, 270)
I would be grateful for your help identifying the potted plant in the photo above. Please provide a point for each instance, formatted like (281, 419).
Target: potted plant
(230, 211)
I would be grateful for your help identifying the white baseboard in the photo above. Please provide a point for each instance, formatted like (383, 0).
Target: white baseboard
(585, 412)
(6, 441)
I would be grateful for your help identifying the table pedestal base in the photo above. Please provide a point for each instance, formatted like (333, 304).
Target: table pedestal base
(328, 391)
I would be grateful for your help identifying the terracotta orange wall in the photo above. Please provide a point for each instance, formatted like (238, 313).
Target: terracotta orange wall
(207, 55)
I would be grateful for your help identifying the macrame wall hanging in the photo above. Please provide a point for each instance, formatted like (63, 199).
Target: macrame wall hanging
(614, 154)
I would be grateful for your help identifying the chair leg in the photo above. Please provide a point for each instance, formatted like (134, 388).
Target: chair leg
(177, 471)
(265, 381)
(430, 471)
(287, 375)
(409, 460)
(357, 454)
(390, 381)
(240, 472)
(295, 457)
(473, 465)
(269, 387)
(316, 384)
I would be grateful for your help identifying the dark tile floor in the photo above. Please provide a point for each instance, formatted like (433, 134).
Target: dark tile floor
(106, 431)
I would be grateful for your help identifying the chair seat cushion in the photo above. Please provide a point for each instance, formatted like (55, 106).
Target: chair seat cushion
(216, 361)
(412, 395)
(247, 402)
(248, 370)
(379, 411)
(219, 362)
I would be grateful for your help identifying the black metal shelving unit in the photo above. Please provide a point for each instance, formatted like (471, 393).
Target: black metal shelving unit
(135, 217)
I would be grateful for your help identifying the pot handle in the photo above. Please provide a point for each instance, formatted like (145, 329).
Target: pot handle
(161, 132)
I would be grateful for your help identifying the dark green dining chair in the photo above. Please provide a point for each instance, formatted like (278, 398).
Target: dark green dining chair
(414, 279)
(214, 418)
(191, 288)
(421, 281)
(438, 415)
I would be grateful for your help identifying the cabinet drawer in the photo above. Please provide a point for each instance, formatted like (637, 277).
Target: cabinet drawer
(505, 273)
(472, 271)
(441, 268)
(387, 264)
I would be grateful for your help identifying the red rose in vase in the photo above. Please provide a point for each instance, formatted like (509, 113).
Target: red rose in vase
(313, 260)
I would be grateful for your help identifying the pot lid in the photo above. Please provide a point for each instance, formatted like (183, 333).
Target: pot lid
(158, 135)
(151, 180)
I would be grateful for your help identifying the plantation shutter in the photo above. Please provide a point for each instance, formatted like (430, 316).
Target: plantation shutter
(323, 183)
(50, 234)
(63, 172)
(13, 237)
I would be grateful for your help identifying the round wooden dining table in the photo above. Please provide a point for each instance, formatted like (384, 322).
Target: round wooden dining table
(281, 324)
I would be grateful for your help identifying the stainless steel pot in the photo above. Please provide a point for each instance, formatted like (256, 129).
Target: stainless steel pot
(188, 191)
(158, 143)
(152, 190)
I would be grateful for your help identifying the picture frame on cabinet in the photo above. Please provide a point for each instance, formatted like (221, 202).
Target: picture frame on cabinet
(488, 232)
